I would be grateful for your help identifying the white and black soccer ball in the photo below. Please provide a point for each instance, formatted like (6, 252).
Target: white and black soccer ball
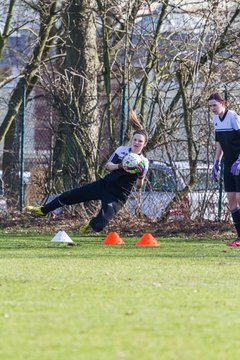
(131, 160)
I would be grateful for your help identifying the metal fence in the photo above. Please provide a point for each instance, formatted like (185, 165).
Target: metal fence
(164, 187)
(34, 160)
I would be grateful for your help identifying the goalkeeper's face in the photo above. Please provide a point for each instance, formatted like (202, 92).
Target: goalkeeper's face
(138, 142)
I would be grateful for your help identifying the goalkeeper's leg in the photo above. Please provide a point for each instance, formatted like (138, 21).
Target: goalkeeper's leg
(92, 191)
(106, 213)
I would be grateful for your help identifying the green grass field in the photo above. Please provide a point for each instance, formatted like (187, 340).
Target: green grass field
(94, 301)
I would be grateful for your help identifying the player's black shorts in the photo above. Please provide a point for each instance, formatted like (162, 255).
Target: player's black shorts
(231, 182)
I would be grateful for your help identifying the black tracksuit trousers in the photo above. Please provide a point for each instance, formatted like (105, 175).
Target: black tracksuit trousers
(98, 190)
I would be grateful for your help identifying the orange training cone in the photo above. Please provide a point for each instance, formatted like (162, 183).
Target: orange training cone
(147, 240)
(113, 239)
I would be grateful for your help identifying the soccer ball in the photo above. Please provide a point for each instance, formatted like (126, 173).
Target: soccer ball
(131, 160)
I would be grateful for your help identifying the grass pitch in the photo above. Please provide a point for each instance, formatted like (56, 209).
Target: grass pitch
(94, 301)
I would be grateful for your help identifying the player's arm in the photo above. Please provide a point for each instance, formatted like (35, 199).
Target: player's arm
(142, 174)
(215, 168)
(110, 166)
(114, 160)
(218, 154)
(139, 183)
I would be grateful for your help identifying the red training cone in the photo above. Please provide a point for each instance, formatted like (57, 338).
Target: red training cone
(147, 240)
(113, 239)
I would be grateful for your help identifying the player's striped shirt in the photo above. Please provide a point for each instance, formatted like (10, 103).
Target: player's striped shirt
(120, 181)
(227, 133)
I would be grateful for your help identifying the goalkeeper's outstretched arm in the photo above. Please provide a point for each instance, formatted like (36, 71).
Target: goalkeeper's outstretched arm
(140, 182)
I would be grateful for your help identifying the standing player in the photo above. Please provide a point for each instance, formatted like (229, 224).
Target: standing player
(113, 190)
(227, 135)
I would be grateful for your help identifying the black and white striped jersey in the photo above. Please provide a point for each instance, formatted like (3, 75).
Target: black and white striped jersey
(120, 181)
(227, 133)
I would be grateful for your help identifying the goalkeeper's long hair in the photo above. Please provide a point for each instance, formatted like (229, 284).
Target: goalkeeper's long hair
(137, 126)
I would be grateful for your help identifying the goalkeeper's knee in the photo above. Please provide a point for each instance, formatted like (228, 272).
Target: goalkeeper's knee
(98, 224)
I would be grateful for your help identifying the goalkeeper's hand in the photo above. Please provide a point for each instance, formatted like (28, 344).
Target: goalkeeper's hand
(215, 170)
(139, 169)
(121, 167)
(235, 169)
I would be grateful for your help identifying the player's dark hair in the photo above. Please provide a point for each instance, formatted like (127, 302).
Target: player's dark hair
(217, 97)
(134, 121)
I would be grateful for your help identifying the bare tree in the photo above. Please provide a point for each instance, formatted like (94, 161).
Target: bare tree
(174, 55)
(161, 58)
(27, 79)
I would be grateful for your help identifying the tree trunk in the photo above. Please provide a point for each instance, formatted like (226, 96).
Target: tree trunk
(78, 133)
(10, 164)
